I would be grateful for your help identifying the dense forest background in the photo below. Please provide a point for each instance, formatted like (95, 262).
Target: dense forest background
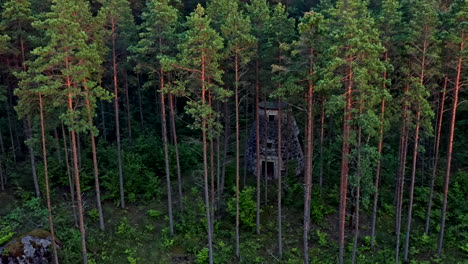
(124, 126)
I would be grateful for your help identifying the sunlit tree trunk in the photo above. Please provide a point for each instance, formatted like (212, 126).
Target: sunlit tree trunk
(450, 142)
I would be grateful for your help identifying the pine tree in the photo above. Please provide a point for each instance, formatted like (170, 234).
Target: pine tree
(157, 39)
(355, 66)
(281, 32)
(236, 31)
(71, 54)
(309, 29)
(259, 14)
(199, 54)
(422, 47)
(458, 38)
(119, 18)
(388, 21)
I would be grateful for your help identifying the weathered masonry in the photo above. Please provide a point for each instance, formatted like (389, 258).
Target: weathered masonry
(292, 157)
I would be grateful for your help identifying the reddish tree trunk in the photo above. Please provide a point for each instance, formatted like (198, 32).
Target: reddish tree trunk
(46, 180)
(450, 143)
(77, 171)
(95, 162)
(309, 170)
(436, 156)
(116, 114)
(345, 160)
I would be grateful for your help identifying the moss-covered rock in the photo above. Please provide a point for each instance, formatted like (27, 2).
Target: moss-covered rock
(29, 248)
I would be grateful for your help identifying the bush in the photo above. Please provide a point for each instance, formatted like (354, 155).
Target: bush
(247, 207)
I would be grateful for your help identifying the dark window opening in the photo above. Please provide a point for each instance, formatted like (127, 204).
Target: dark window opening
(271, 118)
(268, 169)
(269, 145)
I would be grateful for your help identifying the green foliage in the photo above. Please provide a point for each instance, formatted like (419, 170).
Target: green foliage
(247, 207)
(6, 233)
(322, 238)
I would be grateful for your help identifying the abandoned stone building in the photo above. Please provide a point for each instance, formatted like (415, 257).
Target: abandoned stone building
(292, 156)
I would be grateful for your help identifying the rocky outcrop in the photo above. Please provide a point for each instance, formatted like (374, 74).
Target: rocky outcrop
(30, 248)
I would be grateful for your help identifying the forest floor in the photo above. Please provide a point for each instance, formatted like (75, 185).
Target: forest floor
(140, 234)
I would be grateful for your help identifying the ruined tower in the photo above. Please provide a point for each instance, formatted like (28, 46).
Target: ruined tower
(292, 156)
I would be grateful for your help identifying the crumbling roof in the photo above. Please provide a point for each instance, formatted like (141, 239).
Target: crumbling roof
(273, 105)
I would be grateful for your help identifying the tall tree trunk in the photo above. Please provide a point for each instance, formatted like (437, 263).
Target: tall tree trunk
(236, 93)
(257, 144)
(103, 117)
(379, 161)
(10, 127)
(95, 162)
(378, 171)
(436, 156)
(322, 133)
(2, 180)
(46, 178)
(140, 106)
(31, 155)
(77, 171)
(358, 191)
(265, 146)
(212, 165)
(176, 147)
(166, 152)
(127, 107)
(227, 131)
(345, 161)
(69, 174)
(205, 163)
(57, 146)
(116, 113)
(413, 178)
(450, 143)
(415, 154)
(280, 229)
(401, 183)
(310, 151)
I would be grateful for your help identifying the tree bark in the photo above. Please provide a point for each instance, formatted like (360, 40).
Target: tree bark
(236, 93)
(205, 163)
(310, 149)
(95, 162)
(257, 144)
(46, 178)
(280, 229)
(77, 171)
(358, 191)
(166, 152)
(127, 107)
(345, 161)
(378, 171)
(176, 148)
(57, 146)
(32, 159)
(69, 174)
(379, 161)
(436, 157)
(322, 133)
(450, 143)
(116, 113)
